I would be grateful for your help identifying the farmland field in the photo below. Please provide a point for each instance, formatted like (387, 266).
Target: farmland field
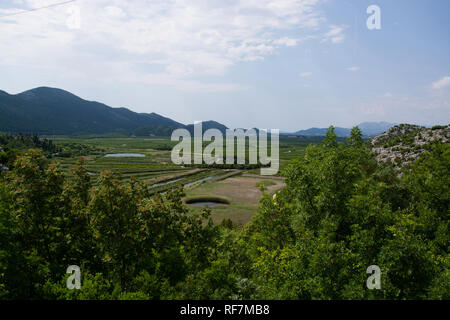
(242, 192)
(241, 187)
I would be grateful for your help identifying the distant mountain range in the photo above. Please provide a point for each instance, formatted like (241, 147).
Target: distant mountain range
(367, 128)
(340, 132)
(54, 111)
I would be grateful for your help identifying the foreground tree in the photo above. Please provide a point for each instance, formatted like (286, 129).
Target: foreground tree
(340, 213)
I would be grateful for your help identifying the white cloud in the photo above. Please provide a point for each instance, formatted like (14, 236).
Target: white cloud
(405, 109)
(441, 83)
(353, 69)
(335, 34)
(181, 39)
(286, 41)
(305, 74)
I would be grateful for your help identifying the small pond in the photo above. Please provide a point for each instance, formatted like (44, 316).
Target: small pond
(206, 204)
(207, 201)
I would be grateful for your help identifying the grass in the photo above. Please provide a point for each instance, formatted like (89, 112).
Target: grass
(242, 193)
(290, 147)
(242, 189)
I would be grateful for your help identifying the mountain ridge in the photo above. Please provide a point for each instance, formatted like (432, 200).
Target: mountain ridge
(368, 129)
(46, 110)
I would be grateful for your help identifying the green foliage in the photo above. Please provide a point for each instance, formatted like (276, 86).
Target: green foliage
(330, 138)
(339, 213)
(122, 238)
(355, 139)
(12, 145)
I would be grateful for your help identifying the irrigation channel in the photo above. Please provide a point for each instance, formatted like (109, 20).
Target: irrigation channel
(170, 183)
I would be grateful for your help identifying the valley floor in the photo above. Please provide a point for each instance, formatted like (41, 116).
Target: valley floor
(242, 191)
(241, 188)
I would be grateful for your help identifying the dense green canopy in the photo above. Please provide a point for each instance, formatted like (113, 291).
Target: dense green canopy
(340, 212)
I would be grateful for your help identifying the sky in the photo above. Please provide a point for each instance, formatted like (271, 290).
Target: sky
(277, 64)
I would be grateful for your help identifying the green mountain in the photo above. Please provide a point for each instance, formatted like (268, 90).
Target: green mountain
(206, 125)
(340, 132)
(367, 128)
(374, 128)
(54, 111)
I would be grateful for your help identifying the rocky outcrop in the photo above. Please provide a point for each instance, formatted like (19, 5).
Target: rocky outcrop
(404, 143)
(2, 166)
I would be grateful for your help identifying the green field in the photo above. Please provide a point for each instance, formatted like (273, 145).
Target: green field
(241, 191)
(242, 188)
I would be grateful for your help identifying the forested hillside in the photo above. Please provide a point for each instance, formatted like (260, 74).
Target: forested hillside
(368, 129)
(55, 111)
(340, 212)
(12, 145)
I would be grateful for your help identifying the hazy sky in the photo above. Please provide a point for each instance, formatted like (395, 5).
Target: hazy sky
(285, 64)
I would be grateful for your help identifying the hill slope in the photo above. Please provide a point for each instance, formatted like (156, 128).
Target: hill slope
(374, 128)
(54, 111)
(369, 129)
(206, 125)
(340, 132)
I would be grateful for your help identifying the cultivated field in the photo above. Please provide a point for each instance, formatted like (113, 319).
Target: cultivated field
(241, 189)
(243, 192)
